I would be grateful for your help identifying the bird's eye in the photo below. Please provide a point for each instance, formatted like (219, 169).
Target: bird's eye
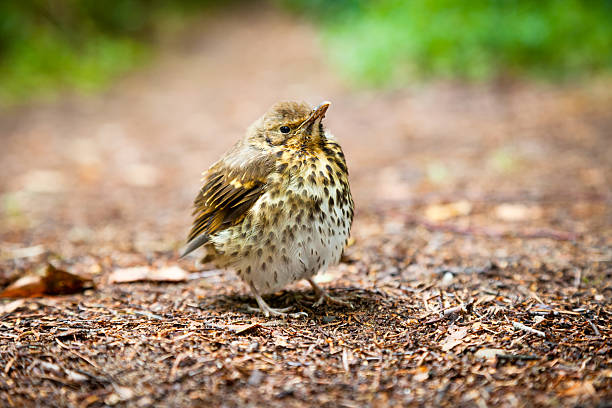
(285, 129)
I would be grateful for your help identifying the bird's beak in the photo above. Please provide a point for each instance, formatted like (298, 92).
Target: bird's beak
(317, 114)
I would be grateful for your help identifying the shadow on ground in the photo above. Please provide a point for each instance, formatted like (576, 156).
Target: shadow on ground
(302, 301)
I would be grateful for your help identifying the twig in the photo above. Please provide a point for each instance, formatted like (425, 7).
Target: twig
(147, 314)
(456, 309)
(528, 329)
(595, 329)
(9, 365)
(87, 360)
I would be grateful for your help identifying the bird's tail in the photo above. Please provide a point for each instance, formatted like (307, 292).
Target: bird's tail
(194, 244)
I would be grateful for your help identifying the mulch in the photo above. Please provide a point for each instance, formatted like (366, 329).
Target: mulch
(480, 268)
(434, 327)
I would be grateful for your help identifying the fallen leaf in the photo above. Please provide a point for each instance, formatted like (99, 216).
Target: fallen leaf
(146, 273)
(59, 282)
(454, 339)
(242, 328)
(442, 212)
(26, 286)
(49, 281)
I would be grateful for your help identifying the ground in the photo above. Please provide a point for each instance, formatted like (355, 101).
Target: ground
(479, 269)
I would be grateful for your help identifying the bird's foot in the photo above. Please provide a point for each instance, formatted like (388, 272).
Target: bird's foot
(326, 297)
(270, 311)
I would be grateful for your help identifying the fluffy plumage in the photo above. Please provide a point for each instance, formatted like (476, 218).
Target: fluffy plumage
(277, 207)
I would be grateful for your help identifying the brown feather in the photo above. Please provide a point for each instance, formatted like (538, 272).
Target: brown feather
(228, 193)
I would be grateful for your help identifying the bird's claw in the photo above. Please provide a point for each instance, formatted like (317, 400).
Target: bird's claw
(325, 297)
(268, 311)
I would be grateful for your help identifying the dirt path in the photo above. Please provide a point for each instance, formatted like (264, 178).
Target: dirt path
(478, 207)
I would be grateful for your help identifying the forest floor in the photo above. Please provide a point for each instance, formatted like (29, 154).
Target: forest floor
(480, 265)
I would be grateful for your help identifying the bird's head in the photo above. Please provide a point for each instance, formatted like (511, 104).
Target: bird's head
(289, 124)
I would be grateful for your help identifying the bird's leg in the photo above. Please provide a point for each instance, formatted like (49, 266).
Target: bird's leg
(267, 310)
(326, 297)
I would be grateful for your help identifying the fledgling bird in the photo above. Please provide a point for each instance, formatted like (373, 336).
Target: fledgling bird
(277, 207)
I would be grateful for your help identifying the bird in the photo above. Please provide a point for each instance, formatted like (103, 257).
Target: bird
(277, 207)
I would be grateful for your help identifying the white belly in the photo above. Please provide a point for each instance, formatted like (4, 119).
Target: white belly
(296, 247)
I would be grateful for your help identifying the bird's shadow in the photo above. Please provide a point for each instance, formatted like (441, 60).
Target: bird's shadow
(301, 301)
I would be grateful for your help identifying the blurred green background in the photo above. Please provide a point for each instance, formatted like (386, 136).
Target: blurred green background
(48, 45)
(390, 42)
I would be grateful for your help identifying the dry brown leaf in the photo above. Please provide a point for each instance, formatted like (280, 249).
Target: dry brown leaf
(242, 328)
(454, 339)
(60, 282)
(49, 281)
(146, 273)
(26, 286)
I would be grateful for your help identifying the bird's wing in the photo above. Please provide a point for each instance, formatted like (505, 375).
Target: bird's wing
(231, 187)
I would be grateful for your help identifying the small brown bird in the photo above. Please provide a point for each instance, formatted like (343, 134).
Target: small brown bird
(277, 207)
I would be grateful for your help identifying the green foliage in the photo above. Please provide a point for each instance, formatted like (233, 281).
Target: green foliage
(75, 44)
(390, 42)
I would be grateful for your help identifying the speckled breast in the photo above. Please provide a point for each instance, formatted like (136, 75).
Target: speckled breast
(298, 227)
